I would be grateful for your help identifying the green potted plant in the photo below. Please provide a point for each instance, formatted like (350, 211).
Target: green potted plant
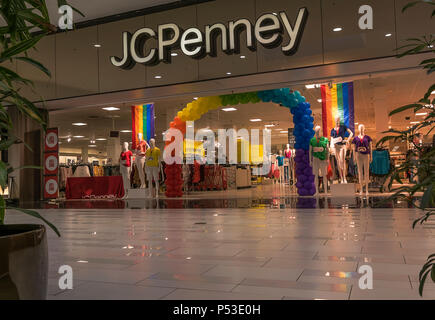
(23, 248)
(419, 159)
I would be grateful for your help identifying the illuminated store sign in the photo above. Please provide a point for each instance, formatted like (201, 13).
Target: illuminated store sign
(268, 31)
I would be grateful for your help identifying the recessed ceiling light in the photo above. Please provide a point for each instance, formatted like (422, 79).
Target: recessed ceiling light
(421, 114)
(126, 131)
(319, 100)
(79, 124)
(414, 122)
(269, 125)
(255, 120)
(174, 54)
(388, 35)
(229, 109)
(111, 109)
(337, 29)
(158, 77)
(101, 139)
(228, 73)
(97, 45)
(78, 137)
(242, 57)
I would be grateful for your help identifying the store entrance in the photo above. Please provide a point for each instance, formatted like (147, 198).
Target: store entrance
(92, 141)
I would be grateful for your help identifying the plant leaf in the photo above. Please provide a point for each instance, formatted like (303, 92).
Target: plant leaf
(38, 216)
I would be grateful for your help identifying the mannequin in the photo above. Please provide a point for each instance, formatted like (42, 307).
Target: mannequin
(125, 166)
(280, 160)
(287, 161)
(340, 142)
(319, 154)
(362, 149)
(152, 168)
(141, 148)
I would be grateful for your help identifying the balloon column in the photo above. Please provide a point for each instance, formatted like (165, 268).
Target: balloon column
(302, 117)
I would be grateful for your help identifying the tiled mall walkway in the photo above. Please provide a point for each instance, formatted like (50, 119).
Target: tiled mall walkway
(262, 253)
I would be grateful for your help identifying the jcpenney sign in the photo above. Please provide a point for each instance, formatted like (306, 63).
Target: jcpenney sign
(268, 31)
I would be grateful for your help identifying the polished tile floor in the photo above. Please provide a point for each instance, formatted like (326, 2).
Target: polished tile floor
(263, 252)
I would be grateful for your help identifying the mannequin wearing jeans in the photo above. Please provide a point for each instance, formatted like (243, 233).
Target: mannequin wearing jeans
(152, 168)
(141, 148)
(319, 154)
(363, 153)
(125, 166)
(339, 143)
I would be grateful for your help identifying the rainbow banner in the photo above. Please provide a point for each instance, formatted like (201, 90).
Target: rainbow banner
(142, 118)
(337, 100)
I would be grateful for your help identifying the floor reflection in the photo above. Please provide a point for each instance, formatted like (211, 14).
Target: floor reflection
(240, 203)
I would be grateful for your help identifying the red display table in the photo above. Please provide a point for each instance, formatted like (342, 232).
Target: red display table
(94, 188)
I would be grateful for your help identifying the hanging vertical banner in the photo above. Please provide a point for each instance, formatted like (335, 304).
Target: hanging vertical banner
(142, 118)
(337, 100)
(51, 164)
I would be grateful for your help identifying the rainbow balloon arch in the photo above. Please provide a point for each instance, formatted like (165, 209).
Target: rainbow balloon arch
(303, 131)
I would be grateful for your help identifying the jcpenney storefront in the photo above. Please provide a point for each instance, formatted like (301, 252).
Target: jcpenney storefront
(171, 62)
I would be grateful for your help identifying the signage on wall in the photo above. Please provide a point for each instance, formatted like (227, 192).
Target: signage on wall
(51, 164)
(268, 30)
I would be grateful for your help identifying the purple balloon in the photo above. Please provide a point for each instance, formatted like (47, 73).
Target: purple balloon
(308, 171)
(302, 178)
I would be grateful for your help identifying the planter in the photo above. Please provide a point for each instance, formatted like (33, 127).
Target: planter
(23, 262)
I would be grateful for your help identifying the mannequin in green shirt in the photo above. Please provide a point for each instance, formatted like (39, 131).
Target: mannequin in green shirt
(319, 154)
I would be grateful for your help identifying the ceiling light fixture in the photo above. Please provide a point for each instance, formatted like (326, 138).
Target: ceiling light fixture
(269, 125)
(126, 131)
(242, 57)
(229, 109)
(174, 54)
(421, 114)
(111, 109)
(195, 98)
(78, 137)
(79, 124)
(319, 100)
(101, 139)
(92, 146)
(388, 35)
(414, 122)
(97, 45)
(255, 120)
(228, 73)
(158, 77)
(283, 131)
(337, 29)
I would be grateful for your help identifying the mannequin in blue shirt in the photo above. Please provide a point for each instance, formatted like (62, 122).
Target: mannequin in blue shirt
(339, 145)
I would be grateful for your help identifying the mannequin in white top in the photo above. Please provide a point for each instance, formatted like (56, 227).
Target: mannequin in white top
(339, 145)
(141, 148)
